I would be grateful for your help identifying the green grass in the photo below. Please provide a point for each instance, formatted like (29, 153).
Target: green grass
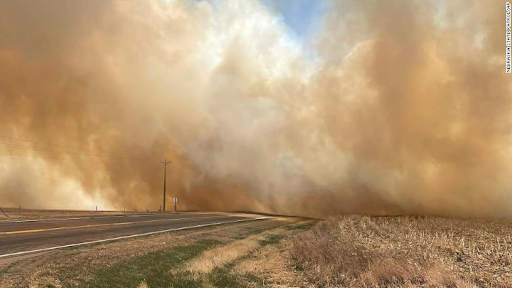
(6, 269)
(159, 269)
(272, 240)
(305, 226)
(153, 268)
(222, 277)
(253, 231)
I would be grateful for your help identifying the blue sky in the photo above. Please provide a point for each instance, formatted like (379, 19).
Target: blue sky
(300, 16)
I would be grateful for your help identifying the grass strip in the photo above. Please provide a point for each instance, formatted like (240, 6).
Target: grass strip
(154, 268)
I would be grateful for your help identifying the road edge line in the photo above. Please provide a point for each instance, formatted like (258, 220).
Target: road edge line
(127, 237)
(75, 218)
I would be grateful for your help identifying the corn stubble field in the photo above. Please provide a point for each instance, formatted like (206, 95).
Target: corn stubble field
(360, 251)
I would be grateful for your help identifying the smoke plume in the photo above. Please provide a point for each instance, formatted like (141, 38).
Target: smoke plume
(388, 107)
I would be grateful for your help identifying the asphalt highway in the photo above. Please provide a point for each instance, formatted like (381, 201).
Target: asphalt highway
(29, 236)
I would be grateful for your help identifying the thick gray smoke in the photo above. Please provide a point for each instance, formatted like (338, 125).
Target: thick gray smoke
(392, 107)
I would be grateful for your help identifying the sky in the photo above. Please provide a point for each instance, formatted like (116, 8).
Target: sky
(301, 16)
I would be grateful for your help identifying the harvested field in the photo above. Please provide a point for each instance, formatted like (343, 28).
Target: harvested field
(361, 251)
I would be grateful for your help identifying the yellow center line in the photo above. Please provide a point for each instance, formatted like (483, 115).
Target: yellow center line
(94, 225)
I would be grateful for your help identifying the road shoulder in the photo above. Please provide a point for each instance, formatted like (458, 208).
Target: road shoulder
(87, 266)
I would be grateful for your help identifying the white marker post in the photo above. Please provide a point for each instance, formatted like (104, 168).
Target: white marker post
(175, 201)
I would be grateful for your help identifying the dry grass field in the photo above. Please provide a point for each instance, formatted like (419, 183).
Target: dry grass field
(360, 251)
(343, 251)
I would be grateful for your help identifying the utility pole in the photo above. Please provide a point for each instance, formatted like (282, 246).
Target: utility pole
(165, 179)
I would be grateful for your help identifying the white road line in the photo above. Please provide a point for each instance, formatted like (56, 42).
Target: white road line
(104, 225)
(128, 237)
(73, 218)
(86, 217)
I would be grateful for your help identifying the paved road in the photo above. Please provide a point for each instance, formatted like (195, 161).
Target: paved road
(22, 237)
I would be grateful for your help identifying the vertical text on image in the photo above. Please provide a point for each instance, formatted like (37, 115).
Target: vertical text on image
(507, 38)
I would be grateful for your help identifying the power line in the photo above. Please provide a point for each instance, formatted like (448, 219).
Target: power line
(22, 145)
(61, 151)
(59, 156)
(46, 143)
(42, 143)
(16, 145)
(30, 156)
